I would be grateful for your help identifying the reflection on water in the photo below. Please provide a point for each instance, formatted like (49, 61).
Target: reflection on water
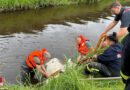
(29, 21)
(52, 28)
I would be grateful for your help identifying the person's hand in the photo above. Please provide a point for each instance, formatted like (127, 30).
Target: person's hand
(47, 75)
(89, 60)
(95, 57)
(104, 33)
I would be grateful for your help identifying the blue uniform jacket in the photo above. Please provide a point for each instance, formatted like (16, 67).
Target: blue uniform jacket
(112, 56)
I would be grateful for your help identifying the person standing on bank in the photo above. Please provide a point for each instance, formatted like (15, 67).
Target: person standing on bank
(123, 15)
(35, 61)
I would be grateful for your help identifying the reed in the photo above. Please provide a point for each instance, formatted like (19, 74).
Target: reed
(12, 5)
(70, 81)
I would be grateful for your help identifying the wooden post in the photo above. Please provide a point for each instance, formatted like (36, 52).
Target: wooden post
(109, 78)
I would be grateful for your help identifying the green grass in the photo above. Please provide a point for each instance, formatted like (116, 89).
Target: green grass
(70, 81)
(12, 5)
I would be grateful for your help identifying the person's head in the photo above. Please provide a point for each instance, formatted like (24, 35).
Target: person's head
(112, 39)
(115, 8)
(78, 39)
(46, 54)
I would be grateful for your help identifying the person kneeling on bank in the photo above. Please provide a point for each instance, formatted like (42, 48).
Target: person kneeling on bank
(108, 63)
(35, 61)
(84, 46)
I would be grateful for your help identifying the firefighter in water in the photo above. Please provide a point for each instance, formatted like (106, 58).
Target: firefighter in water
(84, 46)
(35, 61)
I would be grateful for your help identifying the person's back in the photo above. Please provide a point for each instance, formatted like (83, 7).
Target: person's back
(34, 61)
(112, 56)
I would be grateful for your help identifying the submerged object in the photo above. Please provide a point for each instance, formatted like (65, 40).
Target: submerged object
(54, 66)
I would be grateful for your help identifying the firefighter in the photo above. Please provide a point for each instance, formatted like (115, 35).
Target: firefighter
(35, 61)
(123, 15)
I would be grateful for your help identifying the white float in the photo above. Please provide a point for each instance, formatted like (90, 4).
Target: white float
(54, 65)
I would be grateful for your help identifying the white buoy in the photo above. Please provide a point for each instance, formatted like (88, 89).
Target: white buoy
(54, 65)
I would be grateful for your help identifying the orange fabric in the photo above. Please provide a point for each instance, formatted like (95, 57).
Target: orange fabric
(39, 54)
(82, 46)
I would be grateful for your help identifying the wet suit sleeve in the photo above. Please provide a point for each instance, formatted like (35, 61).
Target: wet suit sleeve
(106, 56)
(125, 22)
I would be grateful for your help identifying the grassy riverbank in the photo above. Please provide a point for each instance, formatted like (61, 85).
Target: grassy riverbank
(12, 5)
(70, 81)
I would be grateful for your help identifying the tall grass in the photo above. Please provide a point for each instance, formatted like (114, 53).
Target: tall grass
(70, 80)
(12, 5)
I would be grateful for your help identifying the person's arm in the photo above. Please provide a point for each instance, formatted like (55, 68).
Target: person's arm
(110, 26)
(122, 32)
(41, 71)
(125, 23)
(44, 69)
(94, 58)
(107, 55)
(92, 48)
(78, 58)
